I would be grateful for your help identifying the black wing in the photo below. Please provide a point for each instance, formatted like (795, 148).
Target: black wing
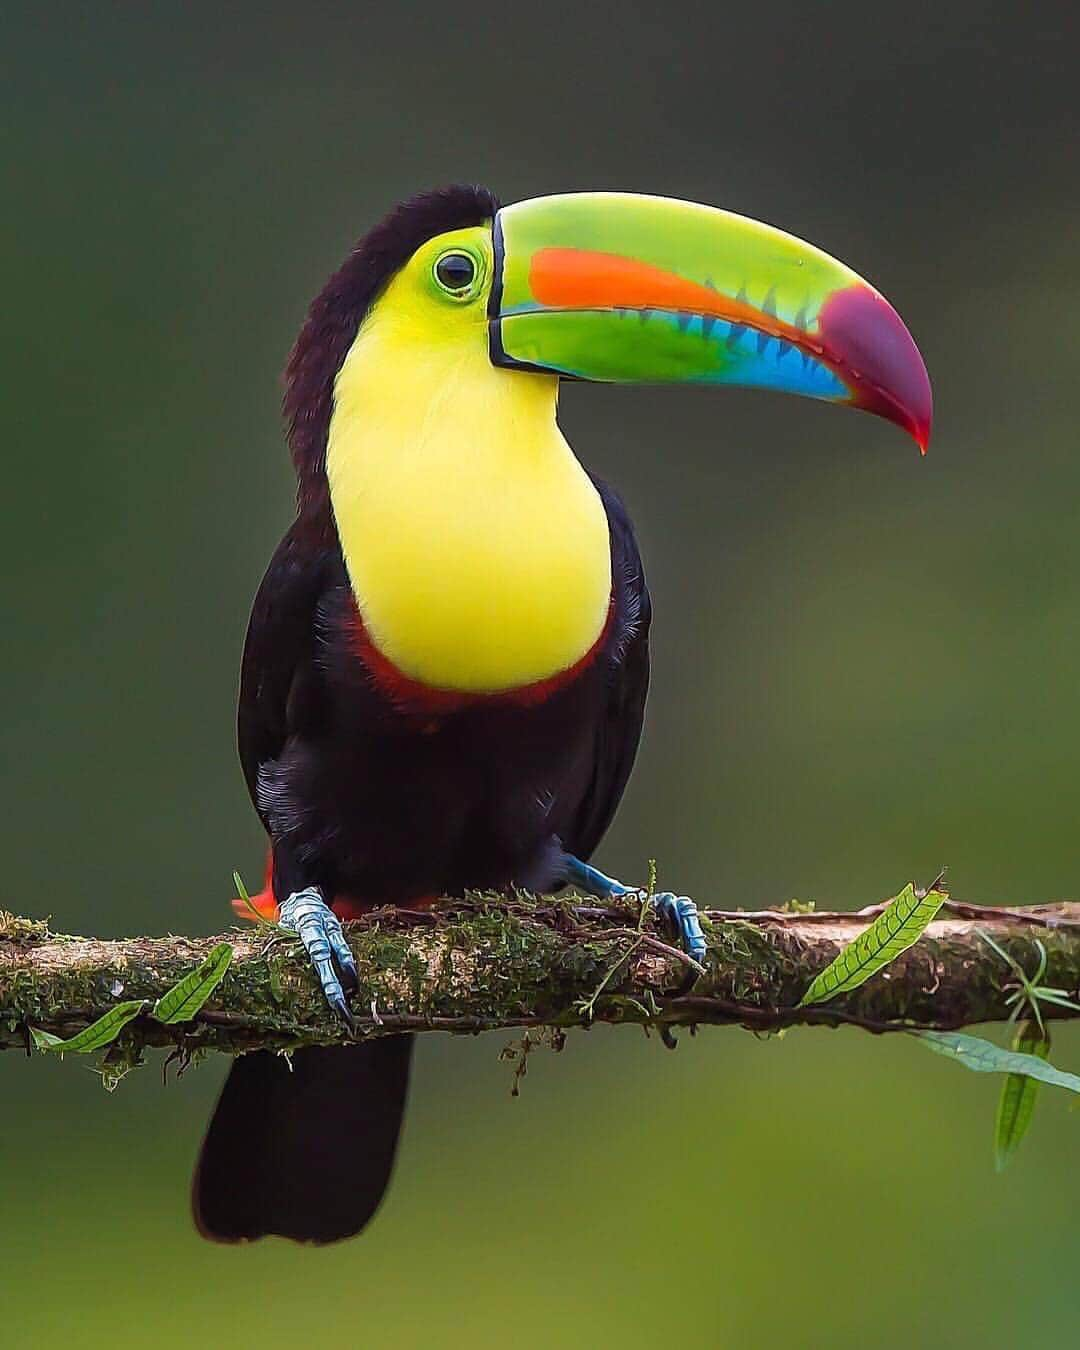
(627, 658)
(278, 674)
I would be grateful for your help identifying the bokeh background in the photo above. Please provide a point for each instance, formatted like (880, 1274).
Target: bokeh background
(866, 665)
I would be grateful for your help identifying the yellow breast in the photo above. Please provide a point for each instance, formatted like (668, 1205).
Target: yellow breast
(476, 545)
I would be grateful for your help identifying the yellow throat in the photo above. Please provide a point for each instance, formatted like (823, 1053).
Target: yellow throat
(476, 544)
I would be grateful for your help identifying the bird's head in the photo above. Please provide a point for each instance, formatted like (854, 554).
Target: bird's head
(607, 286)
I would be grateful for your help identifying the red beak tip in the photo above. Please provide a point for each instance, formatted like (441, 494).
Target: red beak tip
(864, 334)
(921, 422)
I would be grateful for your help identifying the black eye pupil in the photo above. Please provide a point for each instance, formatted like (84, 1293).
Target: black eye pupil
(455, 271)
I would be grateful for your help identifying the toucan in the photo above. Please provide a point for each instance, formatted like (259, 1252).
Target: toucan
(446, 666)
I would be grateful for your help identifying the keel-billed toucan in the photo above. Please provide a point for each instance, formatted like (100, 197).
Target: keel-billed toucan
(445, 671)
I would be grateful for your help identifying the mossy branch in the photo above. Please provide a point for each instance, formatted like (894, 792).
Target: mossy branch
(486, 963)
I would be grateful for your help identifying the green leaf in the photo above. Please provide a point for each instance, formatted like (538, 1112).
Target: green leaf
(183, 1000)
(93, 1037)
(1017, 1102)
(894, 930)
(986, 1057)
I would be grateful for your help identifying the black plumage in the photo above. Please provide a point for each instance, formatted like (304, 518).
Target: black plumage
(377, 794)
(305, 1150)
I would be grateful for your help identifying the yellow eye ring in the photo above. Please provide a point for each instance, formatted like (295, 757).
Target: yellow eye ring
(457, 273)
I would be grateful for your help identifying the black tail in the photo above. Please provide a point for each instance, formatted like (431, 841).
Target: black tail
(305, 1153)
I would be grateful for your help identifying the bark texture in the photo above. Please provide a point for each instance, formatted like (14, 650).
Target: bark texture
(487, 963)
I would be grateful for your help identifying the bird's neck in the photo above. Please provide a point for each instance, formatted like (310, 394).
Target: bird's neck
(476, 545)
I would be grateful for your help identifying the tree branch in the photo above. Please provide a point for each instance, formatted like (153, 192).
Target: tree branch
(486, 963)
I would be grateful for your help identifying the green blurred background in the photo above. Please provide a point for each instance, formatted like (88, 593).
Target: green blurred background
(865, 664)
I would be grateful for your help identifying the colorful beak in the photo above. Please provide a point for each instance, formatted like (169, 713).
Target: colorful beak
(624, 288)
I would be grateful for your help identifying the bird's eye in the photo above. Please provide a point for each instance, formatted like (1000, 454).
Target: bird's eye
(455, 272)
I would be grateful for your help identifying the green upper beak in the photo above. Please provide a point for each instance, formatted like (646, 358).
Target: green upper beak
(620, 287)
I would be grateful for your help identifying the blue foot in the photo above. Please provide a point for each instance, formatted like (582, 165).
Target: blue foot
(678, 911)
(319, 929)
(594, 882)
(682, 914)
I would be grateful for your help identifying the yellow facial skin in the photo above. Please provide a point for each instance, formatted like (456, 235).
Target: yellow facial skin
(476, 545)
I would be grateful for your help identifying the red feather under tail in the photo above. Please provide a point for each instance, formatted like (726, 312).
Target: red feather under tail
(344, 906)
(264, 902)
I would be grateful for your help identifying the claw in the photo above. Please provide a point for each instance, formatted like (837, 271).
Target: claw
(319, 929)
(677, 910)
(682, 914)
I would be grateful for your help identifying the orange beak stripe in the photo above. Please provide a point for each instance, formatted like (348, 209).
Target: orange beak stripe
(570, 278)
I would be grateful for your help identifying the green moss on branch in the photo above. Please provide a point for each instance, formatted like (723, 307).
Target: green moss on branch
(487, 963)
